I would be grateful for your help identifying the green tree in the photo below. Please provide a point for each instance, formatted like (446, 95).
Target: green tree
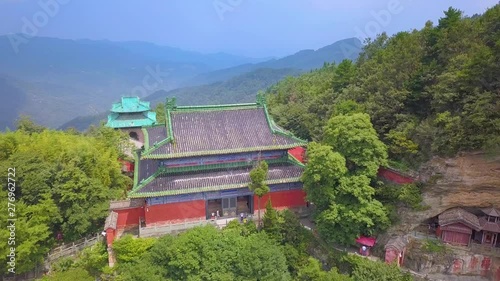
(130, 249)
(323, 172)
(354, 138)
(367, 270)
(271, 222)
(258, 176)
(337, 179)
(25, 124)
(72, 274)
(63, 183)
(312, 272)
(206, 253)
(160, 113)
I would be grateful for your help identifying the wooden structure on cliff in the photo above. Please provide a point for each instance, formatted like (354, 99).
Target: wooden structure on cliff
(460, 227)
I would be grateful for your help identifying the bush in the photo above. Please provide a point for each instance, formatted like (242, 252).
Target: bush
(410, 195)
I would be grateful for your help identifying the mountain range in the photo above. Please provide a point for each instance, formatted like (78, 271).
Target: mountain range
(57, 80)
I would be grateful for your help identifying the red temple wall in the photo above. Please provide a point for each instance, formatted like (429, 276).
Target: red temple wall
(282, 199)
(172, 212)
(391, 255)
(110, 236)
(393, 176)
(129, 217)
(455, 237)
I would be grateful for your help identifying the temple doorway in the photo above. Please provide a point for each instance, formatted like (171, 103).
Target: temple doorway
(229, 207)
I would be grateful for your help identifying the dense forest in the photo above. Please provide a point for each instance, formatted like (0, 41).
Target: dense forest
(63, 183)
(434, 91)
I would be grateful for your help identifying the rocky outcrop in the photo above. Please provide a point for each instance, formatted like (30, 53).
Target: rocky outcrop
(452, 262)
(468, 180)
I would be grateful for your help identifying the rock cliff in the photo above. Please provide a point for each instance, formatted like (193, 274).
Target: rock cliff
(468, 180)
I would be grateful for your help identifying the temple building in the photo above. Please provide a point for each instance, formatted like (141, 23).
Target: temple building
(197, 165)
(130, 114)
(460, 227)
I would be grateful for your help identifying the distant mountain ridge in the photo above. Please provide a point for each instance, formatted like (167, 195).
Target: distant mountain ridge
(242, 88)
(71, 78)
(302, 60)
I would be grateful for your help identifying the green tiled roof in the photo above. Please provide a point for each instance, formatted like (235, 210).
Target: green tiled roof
(129, 105)
(126, 120)
(209, 178)
(216, 129)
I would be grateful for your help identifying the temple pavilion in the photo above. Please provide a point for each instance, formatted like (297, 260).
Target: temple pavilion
(130, 115)
(197, 164)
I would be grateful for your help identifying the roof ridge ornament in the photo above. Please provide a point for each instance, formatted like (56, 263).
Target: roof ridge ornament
(170, 104)
(261, 99)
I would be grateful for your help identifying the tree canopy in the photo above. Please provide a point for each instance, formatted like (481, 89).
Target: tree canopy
(433, 91)
(63, 181)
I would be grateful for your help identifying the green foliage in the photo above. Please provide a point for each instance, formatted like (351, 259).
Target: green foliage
(206, 253)
(313, 272)
(347, 107)
(72, 274)
(366, 270)
(93, 259)
(434, 246)
(411, 195)
(160, 113)
(64, 182)
(271, 222)
(258, 176)
(26, 125)
(337, 179)
(429, 92)
(130, 249)
(257, 185)
(323, 172)
(63, 264)
(354, 138)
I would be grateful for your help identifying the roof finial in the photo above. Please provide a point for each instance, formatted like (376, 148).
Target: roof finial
(261, 99)
(170, 104)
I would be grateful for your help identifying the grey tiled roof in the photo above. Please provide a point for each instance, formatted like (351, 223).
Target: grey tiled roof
(147, 168)
(131, 116)
(460, 215)
(156, 134)
(218, 130)
(111, 220)
(125, 204)
(489, 226)
(239, 176)
(491, 212)
(398, 243)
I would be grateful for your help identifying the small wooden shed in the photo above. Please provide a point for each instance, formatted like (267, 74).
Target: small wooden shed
(395, 250)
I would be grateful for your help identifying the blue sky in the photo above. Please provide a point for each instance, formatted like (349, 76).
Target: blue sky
(258, 28)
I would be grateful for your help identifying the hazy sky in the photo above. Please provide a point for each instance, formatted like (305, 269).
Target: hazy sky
(247, 27)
